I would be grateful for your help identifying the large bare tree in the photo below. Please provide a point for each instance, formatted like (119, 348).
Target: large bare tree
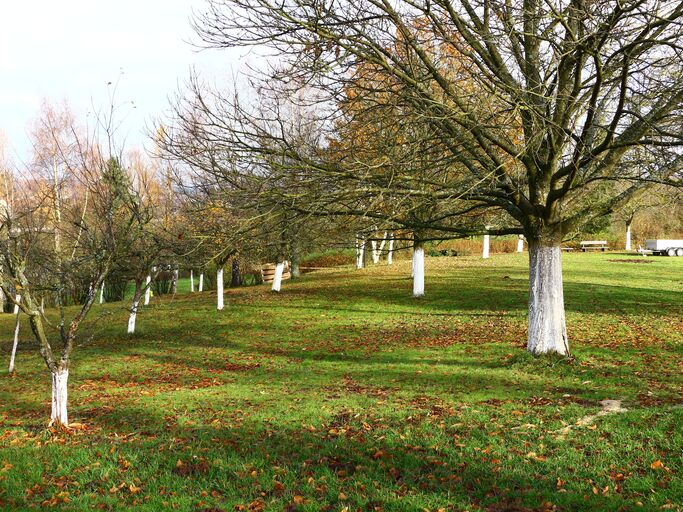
(534, 104)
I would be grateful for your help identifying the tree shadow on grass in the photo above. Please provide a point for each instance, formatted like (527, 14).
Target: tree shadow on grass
(355, 459)
(468, 295)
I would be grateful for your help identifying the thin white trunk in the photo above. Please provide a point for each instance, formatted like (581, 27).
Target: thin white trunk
(148, 289)
(547, 326)
(487, 246)
(102, 293)
(219, 288)
(520, 244)
(16, 304)
(377, 249)
(191, 281)
(360, 252)
(201, 282)
(390, 254)
(17, 323)
(174, 282)
(42, 305)
(628, 237)
(59, 416)
(277, 278)
(133, 315)
(418, 270)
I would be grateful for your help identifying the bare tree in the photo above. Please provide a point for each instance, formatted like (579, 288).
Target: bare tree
(535, 104)
(49, 244)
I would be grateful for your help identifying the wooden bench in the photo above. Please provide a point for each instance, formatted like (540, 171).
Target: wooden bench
(587, 245)
(567, 249)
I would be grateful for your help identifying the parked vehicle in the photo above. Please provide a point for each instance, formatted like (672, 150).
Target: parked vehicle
(665, 247)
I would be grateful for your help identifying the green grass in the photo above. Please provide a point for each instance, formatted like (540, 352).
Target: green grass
(344, 393)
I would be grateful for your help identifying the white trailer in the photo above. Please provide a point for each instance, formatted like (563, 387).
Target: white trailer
(665, 247)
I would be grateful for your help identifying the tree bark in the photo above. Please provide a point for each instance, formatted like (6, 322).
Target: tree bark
(487, 246)
(547, 326)
(16, 337)
(390, 253)
(132, 317)
(360, 252)
(148, 289)
(102, 293)
(418, 269)
(520, 244)
(219, 289)
(174, 282)
(628, 237)
(59, 415)
(295, 270)
(191, 281)
(235, 276)
(277, 278)
(201, 282)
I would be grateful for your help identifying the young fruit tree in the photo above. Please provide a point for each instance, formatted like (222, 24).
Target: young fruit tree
(533, 106)
(61, 236)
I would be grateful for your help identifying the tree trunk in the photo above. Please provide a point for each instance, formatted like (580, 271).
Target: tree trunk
(191, 281)
(377, 249)
(360, 252)
(486, 247)
(102, 293)
(201, 282)
(148, 289)
(547, 327)
(174, 282)
(59, 416)
(390, 253)
(16, 337)
(219, 288)
(132, 317)
(520, 244)
(235, 276)
(418, 269)
(628, 237)
(295, 270)
(277, 278)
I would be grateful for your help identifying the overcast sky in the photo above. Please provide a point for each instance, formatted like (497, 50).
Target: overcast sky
(71, 49)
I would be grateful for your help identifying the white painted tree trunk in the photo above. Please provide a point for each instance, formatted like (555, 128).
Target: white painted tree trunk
(16, 305)
(174, 282)
(390, 253)
(377, 249)
(201, 282)
(191, 281)
(360, 252)
(547, 326)
(133, 316)
(102, 293)
(59, 416)
(219, 289)
(520, 244)
(17, 323)
(42, 305)
(418, 270)
(486, 248)
(277, 278)
(148, 289)
(628, 237)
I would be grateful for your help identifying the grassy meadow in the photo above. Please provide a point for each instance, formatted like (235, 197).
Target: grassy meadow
(343, 393)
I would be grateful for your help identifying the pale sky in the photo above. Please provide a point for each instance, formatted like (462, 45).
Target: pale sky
(70, 49)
